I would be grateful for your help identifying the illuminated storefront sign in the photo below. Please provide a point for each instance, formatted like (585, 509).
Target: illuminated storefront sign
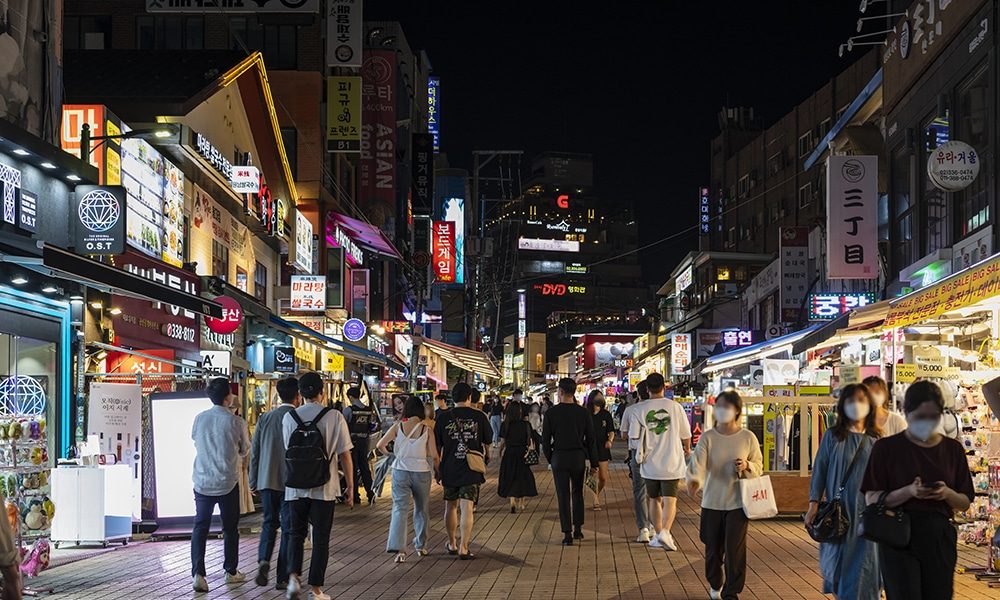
(548, 245)
(308, 292)
(214, 157)
(403, 327)
(443, 251)
(155, 202)
(434, 111)
(704, 217)
(245, 180)
(830, 306)
(737, 338)
(685, 278)
(576, 268)
(453, 210)
(522, 323)
(680, 353)
(558, 289)
(353, 251)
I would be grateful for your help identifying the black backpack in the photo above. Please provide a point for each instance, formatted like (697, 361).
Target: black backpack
(306, 463)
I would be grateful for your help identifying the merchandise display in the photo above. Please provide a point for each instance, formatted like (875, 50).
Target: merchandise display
(25, 473)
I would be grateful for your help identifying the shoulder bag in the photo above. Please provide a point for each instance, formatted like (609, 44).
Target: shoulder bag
(476, 461)
(531, 454)
(885, 525)
(831, 524)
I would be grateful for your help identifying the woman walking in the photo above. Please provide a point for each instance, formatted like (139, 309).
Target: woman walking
(724, 455)
(414, 448)
(535, 417)
(849, 566)
(604, 436)
(889, 422)
(927, 476)
(516, 482)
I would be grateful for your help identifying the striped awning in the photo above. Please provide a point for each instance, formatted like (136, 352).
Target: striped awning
(464, 358)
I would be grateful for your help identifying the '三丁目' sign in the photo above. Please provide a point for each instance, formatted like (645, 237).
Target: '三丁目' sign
(851, 217)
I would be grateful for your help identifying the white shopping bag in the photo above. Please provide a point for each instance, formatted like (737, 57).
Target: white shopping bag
(758, 498)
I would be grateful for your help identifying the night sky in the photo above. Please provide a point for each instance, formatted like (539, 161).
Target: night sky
(637, 84)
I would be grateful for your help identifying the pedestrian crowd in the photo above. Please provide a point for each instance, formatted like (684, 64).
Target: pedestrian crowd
(872, 468)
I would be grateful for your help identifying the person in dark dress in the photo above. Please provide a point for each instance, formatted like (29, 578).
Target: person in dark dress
(516, 482)
(604, 435)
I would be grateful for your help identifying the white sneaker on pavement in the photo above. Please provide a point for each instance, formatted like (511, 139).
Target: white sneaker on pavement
(199, 584)
(667, 539)
(714, 594)
(319, 596)
(643, 536)
(293, 589)
(656, 542)
(235, 577)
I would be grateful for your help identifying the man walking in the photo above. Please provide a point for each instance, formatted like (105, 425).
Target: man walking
(312, 463)
(360, 420)
(568, 441)
(633, 413)
(221, 444)
(267, 477)
(663, 443)
(463, 437)
(441, 405)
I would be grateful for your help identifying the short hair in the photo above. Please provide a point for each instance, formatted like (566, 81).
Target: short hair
(567, 386)
(920, 392)
(476, 395)
(733, 399)
(413, 407)
(518, 392)
(874, 383)
(642, 390)
(353, 392)
(655, 383)
(218, 390)
(461, 392)
(288, 389)
(310, 385)
(592, 398)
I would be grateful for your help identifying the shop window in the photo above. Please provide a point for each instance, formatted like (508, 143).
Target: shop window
(723, 274)
(170, 33)
(824, 128)
(260, 283)
(806, 144)
(973, 128)
(278, 43)
(903, 210)
(220, 260)
(936, 131)
(87, 32)
(290, 140)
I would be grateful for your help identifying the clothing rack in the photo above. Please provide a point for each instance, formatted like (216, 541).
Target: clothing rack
(811, 408)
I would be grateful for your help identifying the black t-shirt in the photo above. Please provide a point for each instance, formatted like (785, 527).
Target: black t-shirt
(496, 410)
(604, 425)
(457, 430)
(567, 427)
(895, 461)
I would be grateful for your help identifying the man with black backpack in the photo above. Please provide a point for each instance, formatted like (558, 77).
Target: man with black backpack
(361, 421)
(317, 440)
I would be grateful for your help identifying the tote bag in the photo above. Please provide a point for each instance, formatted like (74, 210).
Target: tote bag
(758, 498)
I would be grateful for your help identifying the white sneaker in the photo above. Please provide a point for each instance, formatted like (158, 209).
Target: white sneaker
(655, 542)
(319, 596)
(199, 584)
(236, 577)
(667, 540)
(714, 594)
(643, 536)
(293, 589)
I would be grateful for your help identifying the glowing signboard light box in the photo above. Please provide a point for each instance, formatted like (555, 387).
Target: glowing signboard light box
(172, 415)
(548, 245)
(824, 307)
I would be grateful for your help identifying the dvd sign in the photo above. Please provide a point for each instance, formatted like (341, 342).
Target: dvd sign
(99, 218)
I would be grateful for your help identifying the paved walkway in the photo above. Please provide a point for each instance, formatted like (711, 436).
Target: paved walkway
(520, 556)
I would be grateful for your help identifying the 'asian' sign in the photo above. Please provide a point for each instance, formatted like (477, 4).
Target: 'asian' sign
(343, 114)
(443, 251)
(343, 33)
(434, 111)
(100, 219)
(830, 306)
(680, 353)
(852, 217)
(377, 168)
(308, 293)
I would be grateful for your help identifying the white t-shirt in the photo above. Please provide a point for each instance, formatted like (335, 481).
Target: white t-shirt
(630, 417)
(338, 440)
(665, 424)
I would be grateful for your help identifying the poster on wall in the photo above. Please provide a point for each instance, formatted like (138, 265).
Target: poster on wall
(852, 217)
(343, 114)
(378, 128)
(114, 416)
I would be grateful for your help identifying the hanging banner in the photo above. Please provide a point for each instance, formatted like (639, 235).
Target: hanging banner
(343, 114)
(303, 243)
(308, 293)
(434, 111)
(958, 291)
(378, 138)
(852, 217)
(680, 353)
(343, 33)
(423, 174)
(793, 263)
(443, 251)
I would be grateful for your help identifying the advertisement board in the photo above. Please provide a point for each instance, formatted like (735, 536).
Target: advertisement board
(852, 217)
(155, 202)
(443, 251)
(343, 113)
(343, 33)
(377, 168)
(308, 293)
(548, 245)
(100, 219)
(453, 210)
(434, 111)
(422, 176)
(224, 7)
(107, 155)
(680, 353)
(793, 261)
(303, 243)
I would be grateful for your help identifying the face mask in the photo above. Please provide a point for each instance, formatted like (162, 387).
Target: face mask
(923, 429)
(724, 414)
(856, 411)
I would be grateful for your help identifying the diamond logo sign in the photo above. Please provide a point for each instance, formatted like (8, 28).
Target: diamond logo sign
(100, 222)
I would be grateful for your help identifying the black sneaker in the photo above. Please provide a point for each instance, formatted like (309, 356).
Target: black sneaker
(567, 540)
(577, 534)
(281, 585)
(262, 569)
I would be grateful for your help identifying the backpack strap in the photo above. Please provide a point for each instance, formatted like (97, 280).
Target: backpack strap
(322, 412)
(298, 419)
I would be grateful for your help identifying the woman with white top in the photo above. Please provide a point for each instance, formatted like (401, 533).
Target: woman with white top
(415, 452)
(889, 422)
(723, 456)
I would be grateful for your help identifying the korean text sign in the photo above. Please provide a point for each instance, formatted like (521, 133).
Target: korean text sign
(958, 291)
(308, 292)
(443, 251)
(680, 353)
(851, 226)
(343, 114)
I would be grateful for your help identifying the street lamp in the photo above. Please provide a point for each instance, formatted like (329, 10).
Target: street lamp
(161, 131)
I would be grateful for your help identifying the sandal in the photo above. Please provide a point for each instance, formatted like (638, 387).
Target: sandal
(422, 552)
(400, 558)
(467, 556)
(449, 549)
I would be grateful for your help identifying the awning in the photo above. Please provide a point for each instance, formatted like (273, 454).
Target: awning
(463, 358)
(312, 336)
(742, 356)
(56, 262)
(365, 235)
(969, 286)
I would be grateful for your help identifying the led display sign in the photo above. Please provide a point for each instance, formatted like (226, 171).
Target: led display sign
(558, 289)
(548, 245)
(827, 306)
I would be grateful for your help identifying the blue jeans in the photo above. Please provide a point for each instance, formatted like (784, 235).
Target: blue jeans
(404, 485)
(275, 515)
(639, 494)
(495, 422)
(229, 508)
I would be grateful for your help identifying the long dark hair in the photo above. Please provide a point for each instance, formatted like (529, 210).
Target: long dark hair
(513, 414)
(592, 399)
(842, 425)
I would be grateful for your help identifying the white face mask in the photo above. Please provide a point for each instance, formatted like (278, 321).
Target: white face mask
(856, 411)
(923, 429)
(724, 414)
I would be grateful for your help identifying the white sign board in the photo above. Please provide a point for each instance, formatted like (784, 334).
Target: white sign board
(245, 180)
(343, 33)
(308, 293)
(303, 243)
(548, 245)
(780, 371)
(976, 247)
(217, 363)
(114, 417)
(852, 217)
(953, 166)
(680, 353)
(685, 278)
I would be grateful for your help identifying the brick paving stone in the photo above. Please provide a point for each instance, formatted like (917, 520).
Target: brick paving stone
(520, 556)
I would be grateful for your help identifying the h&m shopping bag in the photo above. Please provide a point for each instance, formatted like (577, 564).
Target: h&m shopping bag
(758, 498)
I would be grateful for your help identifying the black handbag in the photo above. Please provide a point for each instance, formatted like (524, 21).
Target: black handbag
(885, 525)
(831, 524)
(531, 454)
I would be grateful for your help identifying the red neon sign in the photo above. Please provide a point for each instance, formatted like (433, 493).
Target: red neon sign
(443, 251)
(562, 201)
(558, 289)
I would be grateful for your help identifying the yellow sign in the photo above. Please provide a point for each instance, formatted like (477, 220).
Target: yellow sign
(906, 373)
(961, 290)
(814, 390)
(850, 374)
(343, 114)
(334, 362)
(779, 391)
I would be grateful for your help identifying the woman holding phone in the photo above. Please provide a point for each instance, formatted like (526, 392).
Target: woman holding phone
(926, 475)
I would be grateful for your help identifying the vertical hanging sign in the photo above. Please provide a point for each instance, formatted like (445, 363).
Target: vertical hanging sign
(443, 251)
(793, 264)
(343, 114)
(434, 111)
(423, 174)
(378, 137)
(343, 33)
(852, 217)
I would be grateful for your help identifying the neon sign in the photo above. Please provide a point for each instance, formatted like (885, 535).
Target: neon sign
(562, 201)
(558, 289)
(824, 307)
